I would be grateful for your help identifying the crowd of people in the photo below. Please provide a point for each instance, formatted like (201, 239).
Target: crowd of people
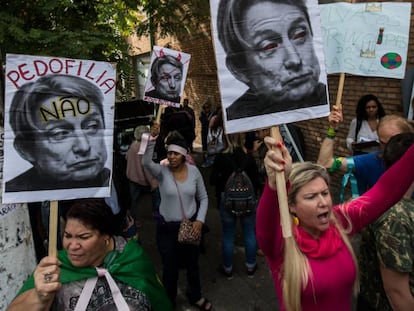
(160, 160)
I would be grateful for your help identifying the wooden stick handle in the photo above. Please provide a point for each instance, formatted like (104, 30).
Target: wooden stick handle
(285, 218)
(159, 113)
(340, 89)
(53, 228)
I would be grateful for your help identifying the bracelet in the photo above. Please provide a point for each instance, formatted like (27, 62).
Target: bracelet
(331, 133)
(336, 164)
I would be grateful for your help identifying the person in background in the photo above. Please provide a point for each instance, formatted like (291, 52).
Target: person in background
(214, 137)
(315, 268)
(139, 178)
(234, 156)
(205, 117)
(363, 128)
(367, 167)
(96, 270)
(386, 257)
(190, 110)
(182, 190)
(259, 152)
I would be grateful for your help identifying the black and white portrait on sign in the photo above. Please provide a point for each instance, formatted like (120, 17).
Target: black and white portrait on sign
(58, 128)
(167, 75)
(270, 62)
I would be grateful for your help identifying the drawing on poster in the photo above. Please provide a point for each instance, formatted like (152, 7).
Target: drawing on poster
(166, 77)
(270, 62)
(367, 39)
(58, 128)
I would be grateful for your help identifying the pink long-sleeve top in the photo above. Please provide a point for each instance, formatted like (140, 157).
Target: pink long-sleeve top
(333, 269)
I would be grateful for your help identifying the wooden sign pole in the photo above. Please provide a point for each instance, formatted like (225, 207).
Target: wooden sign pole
(53, 228)
(159, 113)
(285, 219)
(340, 89)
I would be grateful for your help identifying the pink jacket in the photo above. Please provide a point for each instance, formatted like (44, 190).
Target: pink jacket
(333, 274)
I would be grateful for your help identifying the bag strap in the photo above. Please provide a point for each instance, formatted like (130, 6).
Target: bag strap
(179, 196)
(349, 176)
(87, 291)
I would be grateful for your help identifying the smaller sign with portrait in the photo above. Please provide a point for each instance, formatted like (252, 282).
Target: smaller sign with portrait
(166, 77)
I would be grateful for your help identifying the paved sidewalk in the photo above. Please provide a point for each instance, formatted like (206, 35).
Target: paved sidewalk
(240, 293)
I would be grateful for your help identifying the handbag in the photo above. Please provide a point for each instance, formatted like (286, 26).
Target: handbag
(185, 232)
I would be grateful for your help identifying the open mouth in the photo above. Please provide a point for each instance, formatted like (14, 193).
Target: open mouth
(323, 216)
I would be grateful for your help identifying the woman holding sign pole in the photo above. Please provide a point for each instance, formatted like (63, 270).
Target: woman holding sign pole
(96, 270)
(183, 195)
(315, 267)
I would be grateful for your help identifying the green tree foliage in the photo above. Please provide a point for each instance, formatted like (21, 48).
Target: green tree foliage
(83, 29)
(173, 17)
(93, 29)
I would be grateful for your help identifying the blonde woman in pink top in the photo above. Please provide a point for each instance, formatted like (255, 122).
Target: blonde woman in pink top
(316, 269)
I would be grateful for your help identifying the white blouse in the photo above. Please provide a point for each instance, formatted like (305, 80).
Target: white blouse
(365, 133)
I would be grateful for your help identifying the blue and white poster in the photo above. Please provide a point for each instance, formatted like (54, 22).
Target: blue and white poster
(367, 39)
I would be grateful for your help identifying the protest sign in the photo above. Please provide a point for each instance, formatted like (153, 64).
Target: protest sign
(166, 77)
(58, 128)
(270, 63)
(366, 39)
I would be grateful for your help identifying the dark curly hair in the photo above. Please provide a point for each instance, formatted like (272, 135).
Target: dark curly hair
(361, 112)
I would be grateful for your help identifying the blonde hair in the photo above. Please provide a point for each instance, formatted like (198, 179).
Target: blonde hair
(296, 271)
(403, 124)
(233, 141)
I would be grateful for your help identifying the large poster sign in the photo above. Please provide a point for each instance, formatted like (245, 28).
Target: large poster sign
(367, 39)
(166, 77)
(58, 128)
(270, 62)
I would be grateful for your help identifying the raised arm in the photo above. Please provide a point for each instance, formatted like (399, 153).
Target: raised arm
(153, 168)
(388, 190)
(268, 226)
(326, 152)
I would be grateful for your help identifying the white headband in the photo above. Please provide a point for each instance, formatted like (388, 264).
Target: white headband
(176, 148)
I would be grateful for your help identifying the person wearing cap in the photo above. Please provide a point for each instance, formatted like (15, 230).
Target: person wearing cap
(182, 189)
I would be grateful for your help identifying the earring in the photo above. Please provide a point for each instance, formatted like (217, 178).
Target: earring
(295, 220)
